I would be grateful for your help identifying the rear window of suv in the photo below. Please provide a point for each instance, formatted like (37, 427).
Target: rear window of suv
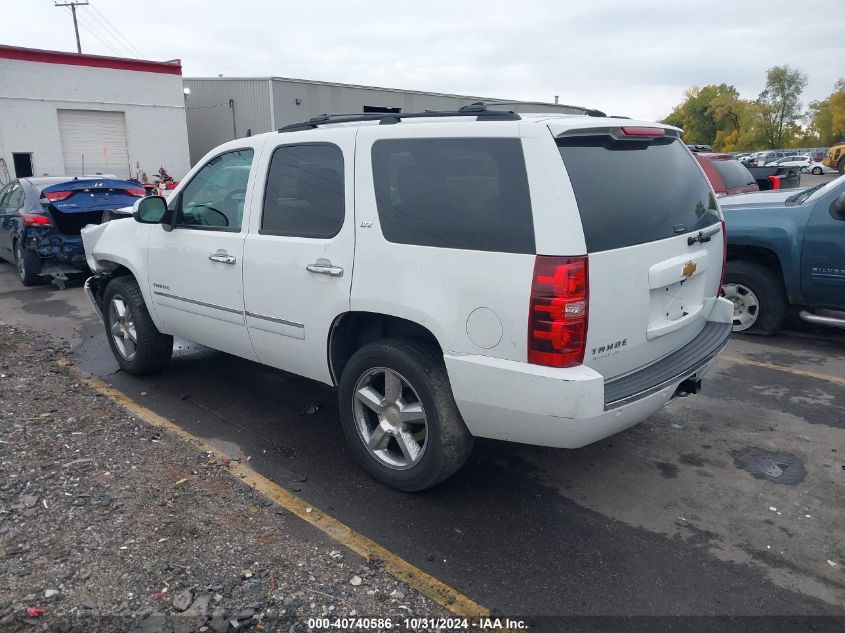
(467, 193)
(633, 192)
(734, 174)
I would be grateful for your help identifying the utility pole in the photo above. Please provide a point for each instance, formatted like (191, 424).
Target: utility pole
(73, 4)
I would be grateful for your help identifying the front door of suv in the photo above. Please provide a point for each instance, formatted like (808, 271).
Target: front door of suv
(195, 270)
(299, 250)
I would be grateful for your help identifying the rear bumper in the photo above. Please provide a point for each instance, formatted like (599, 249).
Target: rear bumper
(63, 249)
(569, 408)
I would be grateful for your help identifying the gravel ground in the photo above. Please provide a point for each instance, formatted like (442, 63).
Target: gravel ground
(108, 524)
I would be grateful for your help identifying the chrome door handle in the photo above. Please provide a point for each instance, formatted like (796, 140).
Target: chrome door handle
(222, 257)
(324, 267)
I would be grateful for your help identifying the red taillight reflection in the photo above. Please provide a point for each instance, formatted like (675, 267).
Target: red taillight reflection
(775, 180)
(558, 311)
(34, 219)
(55, 196)
(138, 193)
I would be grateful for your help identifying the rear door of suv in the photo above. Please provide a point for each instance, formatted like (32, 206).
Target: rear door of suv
(654, 242)
(445, 236)
(298, 253)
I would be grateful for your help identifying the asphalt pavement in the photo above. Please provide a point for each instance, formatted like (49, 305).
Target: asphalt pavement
(729, 502)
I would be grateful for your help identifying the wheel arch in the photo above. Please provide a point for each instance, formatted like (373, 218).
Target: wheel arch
(112, 269)
(352, 330)
(768, 258)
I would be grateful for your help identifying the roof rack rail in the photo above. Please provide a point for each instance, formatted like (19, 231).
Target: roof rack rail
(478, 110)
(575, 109)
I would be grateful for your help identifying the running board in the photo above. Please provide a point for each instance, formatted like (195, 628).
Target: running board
(817, 319)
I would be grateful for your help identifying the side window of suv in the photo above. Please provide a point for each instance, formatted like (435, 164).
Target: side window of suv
(214, 199)
(305, 193)
(467, 193)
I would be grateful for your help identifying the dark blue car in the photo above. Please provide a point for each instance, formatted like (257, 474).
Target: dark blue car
(40, 221)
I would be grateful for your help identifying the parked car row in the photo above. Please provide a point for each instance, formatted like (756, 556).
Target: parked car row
(41, 220)
(766, 157)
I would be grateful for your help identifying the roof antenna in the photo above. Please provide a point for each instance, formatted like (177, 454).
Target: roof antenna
(557, 97)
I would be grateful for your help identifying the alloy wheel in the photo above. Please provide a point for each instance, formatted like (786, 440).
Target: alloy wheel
(746, 306)
(390, 418)
(122, 327)
(19, 261)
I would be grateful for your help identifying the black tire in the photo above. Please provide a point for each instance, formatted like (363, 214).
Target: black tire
(153, 349)
(769, 290)
(448, 442)
(817, 171)
(28, 265)
(841, 166)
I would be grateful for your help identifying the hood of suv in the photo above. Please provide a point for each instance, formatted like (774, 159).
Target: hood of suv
(760, 199)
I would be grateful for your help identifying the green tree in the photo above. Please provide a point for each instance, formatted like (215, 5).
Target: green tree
(826, 118)
(707, 111)
(779, 106)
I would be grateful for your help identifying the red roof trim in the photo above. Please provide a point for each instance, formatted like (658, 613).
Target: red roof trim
(94, 61)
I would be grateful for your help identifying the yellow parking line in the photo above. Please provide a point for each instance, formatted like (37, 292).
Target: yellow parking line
(399, 568)
(790, 370)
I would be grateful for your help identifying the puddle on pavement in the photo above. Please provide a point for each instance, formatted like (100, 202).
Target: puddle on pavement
(779, 468)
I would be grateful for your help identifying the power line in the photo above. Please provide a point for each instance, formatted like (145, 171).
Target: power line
(104, 30)
(73, 4)
(118, 32)
(101, 40)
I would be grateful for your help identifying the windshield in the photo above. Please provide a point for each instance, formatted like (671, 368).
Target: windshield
(813, 194)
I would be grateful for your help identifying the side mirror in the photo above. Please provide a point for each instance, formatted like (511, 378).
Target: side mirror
(152, 210)
(837, 209)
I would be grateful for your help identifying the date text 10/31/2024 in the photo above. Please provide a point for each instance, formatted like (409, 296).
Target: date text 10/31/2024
(415, 624)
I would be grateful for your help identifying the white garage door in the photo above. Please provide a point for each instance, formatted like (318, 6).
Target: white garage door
(93, 142)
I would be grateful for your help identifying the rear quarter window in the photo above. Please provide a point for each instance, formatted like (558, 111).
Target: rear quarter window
(633, 192)
(467, 193)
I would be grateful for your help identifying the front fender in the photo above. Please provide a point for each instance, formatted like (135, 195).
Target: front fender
(115, 247)
(780, 231)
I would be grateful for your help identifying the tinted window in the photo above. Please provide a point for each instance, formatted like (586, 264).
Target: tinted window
(632, 192)
(215, 196)
(304, 195)
(4, 192)
(733, 173)
(454, 193)
(15, 197)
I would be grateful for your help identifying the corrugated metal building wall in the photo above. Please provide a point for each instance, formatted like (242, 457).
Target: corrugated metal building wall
(222, 108)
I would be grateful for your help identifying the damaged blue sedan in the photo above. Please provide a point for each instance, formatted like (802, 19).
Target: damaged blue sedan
(41, 220)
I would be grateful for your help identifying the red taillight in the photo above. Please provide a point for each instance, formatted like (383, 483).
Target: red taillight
(55, 196)
(558, 311)
(34, 219)
(775, 180)
(639, 130)
(138, 193)
(724, 254)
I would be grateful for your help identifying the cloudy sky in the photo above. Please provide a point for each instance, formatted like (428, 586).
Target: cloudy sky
(627, 57)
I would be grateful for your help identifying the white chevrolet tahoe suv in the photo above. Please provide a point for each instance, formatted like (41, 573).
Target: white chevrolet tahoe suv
(545, 279)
